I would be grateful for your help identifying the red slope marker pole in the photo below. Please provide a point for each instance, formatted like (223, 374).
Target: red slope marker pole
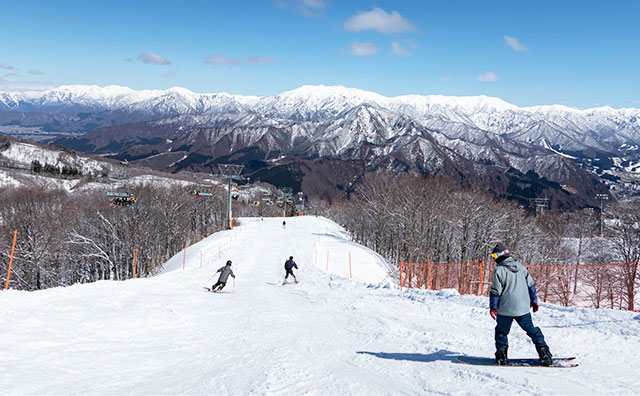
(429, 269)
(184, 257)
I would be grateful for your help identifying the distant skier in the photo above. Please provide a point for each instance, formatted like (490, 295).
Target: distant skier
(284, 224)
(513, 293)
(224, 275)
(289, 265)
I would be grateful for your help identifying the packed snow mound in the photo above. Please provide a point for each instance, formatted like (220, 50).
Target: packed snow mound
(327, 335)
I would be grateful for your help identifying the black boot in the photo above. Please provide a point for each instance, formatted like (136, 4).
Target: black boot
(545, 355)
(501, 355)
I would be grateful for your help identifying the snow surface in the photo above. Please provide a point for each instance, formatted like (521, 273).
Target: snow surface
(328, 335)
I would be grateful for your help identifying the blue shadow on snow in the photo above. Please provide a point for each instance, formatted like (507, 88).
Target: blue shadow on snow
(441, 355)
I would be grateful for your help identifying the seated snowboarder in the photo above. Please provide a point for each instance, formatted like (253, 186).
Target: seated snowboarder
(513, 293)
(224, 275)
(284, 224)
(289, 265)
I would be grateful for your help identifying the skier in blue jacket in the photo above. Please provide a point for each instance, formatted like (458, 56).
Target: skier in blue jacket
(513, 294)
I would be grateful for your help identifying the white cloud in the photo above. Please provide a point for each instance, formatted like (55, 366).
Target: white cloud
(488, 76)
(169, 75)
(36, 72)
(380, 21)
(515, 44)
(259, 59)
(637, 102)
(399, 49)
(153, 59)
(216, 59)
(5, 66)
(362, 49)
(447, 79)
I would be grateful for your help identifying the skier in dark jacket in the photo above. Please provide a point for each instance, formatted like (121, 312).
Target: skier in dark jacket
(289, 265)
(224, 275)
(513, 293)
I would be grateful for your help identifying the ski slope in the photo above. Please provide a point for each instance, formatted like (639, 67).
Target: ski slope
(327, 335)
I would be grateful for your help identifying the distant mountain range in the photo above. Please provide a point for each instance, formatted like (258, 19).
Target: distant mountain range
(322, 139)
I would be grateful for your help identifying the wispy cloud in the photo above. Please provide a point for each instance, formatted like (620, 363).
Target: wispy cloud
(6, 66)
(259, 59)
(8, 82)
(310, 8)
(313, 8)
(636, 102)
(398, 49)
(169, 75)
(379, 20)
(362, 49)
(488, 77)
(515, 44)
(216, 59)
(153, 59)
(447, 79)
(36, 72)
(65, 20)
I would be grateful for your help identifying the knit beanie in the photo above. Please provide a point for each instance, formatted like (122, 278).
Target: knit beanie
(500, 252)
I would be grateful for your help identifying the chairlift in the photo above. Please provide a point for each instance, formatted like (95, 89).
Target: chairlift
(199, 194)
(122, 198)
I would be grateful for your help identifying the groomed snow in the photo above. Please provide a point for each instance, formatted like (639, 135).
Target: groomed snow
(328, 335)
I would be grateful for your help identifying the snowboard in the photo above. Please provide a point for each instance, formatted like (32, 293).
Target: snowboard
(483, 361)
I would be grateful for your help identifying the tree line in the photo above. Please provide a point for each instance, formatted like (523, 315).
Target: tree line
(407, 218)
(79, 237)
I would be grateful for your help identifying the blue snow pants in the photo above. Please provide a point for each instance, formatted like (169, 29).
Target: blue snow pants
(503, 325)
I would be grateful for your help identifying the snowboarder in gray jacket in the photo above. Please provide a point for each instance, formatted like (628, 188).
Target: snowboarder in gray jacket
(513, 294)
(224, 275)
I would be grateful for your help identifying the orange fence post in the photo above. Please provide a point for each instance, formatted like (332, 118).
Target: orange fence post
(350, 265)
(135, 263)
(400, 264)
(429, 270)
(184, 257)
(481, 284)
(13, 246)
(327, 269)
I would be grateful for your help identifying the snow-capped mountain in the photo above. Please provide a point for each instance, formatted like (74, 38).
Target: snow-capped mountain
(600, 129)
(429, 133)
(362, 138)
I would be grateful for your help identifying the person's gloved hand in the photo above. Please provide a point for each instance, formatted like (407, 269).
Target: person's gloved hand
(493, 313)
(535, 307)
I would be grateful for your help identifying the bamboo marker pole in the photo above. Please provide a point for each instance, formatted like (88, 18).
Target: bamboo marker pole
(135, 263)
(13, 246)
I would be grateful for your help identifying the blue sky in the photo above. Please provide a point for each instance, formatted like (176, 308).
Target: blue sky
(577, 53)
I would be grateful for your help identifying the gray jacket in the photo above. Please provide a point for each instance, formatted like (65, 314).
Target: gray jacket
(224, 273)
(512, 284)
